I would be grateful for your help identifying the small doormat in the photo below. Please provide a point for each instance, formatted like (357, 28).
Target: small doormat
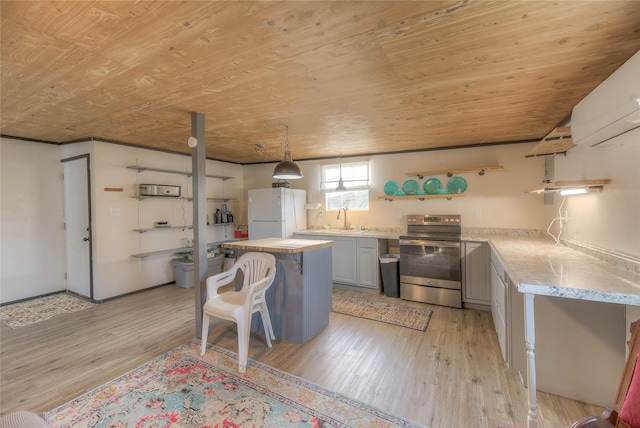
(41, 309)
(390, 313)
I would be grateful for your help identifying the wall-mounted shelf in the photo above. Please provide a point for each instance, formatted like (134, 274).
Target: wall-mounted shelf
(221, 199)
(181, 250)
(423, 197)
(556, 142)
(150, 229)
(141, 168)
(141, 198)
(450, 172)
(559, 186)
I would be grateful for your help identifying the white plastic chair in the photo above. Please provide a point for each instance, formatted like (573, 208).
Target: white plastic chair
(259, 270)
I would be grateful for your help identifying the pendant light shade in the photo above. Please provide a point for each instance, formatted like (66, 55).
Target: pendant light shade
(341, 187)
(287, 170)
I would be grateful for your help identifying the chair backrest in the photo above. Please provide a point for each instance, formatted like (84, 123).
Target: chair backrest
(256, 266)
(259, 270)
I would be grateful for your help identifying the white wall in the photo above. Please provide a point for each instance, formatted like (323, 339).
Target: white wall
(497, 198)
(117, 214)
(611, 219)
(32, 250)
(31, 215)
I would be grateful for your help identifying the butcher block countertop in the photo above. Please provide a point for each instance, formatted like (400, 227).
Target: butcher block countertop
(278, 245)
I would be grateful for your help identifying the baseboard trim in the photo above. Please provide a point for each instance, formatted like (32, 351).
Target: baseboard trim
(26, 299)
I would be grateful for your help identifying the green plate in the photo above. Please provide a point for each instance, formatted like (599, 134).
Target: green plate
(431, 185)
(390, 188)
(410, 187)
(457, 185)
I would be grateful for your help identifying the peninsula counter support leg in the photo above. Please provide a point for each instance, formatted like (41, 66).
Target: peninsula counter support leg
(530, 339)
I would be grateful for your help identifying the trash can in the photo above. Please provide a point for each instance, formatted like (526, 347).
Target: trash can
(184, 269)
(390, 274)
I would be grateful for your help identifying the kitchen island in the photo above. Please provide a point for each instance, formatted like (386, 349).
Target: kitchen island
(299, 300)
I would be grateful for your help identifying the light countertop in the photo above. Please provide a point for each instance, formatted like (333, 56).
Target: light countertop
(278, 245)
(349, 233)
(538, 266)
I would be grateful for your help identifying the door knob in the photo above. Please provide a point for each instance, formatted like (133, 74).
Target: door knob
(85, 239)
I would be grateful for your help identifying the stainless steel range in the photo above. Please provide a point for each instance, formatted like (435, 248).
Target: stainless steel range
(430, 260)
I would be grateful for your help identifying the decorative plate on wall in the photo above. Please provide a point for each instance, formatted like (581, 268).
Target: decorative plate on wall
(431, 185)
(410, 187)
(390, 188)
(457, 185)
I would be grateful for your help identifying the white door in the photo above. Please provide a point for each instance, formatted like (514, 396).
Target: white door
(77, 212)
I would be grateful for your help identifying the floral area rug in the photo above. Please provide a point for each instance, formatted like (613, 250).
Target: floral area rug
(41, 309)
(390, 313)
(182, 389)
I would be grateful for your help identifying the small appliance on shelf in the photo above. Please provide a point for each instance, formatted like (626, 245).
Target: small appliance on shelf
(158, 190)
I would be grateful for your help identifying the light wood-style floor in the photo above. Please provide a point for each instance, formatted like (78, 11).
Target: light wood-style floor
(452, 375)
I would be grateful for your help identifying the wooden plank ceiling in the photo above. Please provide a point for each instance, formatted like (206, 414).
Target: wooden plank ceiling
(347, 77)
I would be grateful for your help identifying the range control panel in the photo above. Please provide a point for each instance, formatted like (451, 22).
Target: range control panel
(433, 219)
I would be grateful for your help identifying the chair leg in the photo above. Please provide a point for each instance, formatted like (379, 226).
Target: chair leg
(243, 344)
(205, 333)
(266, 323)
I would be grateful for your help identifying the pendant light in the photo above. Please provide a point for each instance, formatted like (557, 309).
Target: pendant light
(287, 170)
(341, 187)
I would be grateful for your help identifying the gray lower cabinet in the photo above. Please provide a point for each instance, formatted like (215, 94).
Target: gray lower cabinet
(345, 268)
(507, 310)
(355, 261)
(498, 304)
(369, 252)
(476, 274)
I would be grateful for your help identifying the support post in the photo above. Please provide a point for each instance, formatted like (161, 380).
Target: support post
(198, 169)
(530, 340)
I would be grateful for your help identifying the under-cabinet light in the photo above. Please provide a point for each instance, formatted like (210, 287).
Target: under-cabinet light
(579, 191)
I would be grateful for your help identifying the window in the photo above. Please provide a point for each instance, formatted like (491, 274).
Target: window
(355, 176)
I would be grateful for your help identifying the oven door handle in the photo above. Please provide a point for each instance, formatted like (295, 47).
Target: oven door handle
(422, 243)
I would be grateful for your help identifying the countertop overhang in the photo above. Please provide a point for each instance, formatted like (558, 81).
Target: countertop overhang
(538, 266)
(278, 245)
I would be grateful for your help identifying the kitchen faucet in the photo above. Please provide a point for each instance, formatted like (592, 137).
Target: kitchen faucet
(345, 216)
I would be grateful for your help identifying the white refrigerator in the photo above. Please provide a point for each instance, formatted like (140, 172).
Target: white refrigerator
(276, 212)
